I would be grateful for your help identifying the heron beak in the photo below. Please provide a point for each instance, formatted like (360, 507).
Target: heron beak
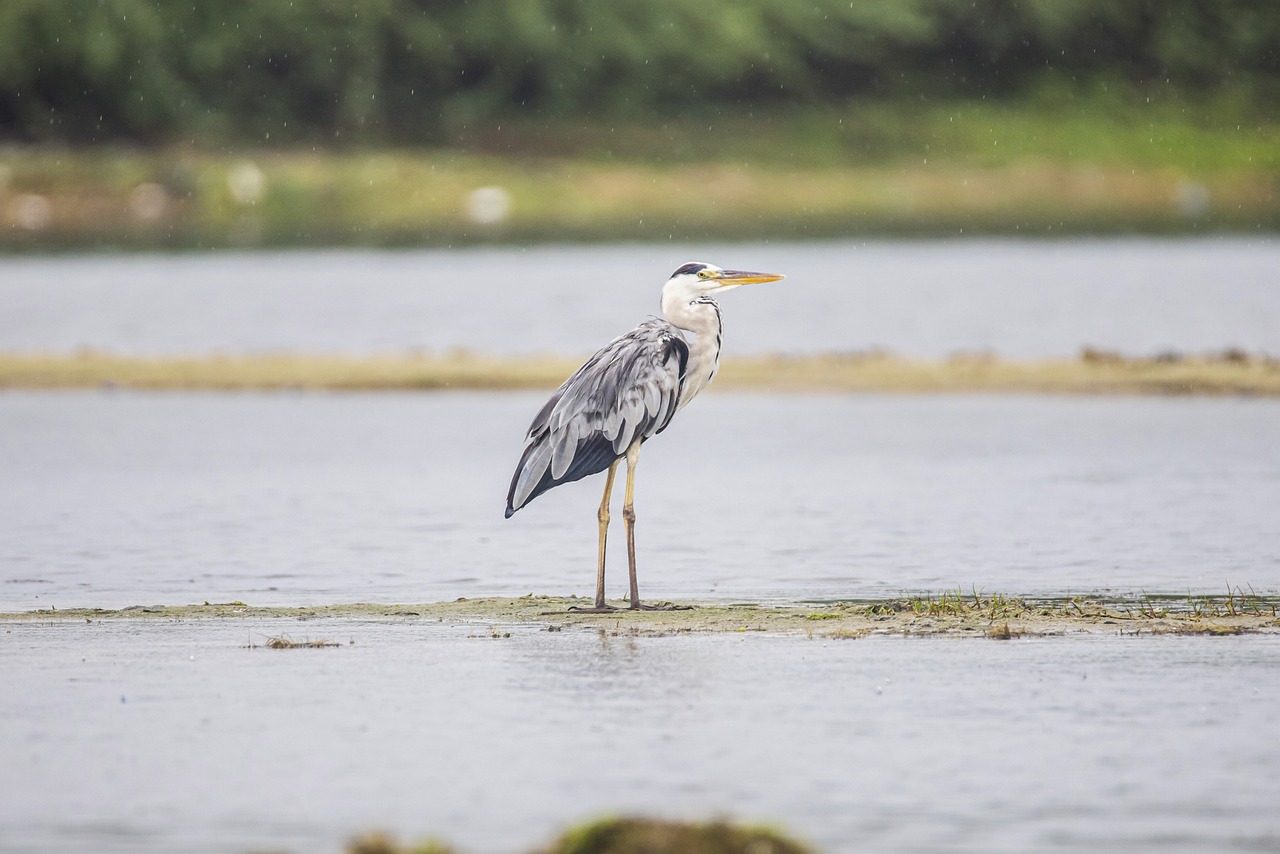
(735, 278)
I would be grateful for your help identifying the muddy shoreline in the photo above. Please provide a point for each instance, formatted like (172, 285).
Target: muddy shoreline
(948, 615)
(1094, 373)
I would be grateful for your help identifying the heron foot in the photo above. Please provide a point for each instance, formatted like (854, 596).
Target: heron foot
(665, 606)
(594, 609)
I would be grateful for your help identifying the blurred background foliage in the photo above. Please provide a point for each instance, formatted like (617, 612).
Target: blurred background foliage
(207, 123)
(424, 71)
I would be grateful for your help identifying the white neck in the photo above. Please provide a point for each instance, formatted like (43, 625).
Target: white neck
(700, 315)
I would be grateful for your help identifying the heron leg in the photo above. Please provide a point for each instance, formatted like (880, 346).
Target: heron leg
(602, 518)
(629, 517)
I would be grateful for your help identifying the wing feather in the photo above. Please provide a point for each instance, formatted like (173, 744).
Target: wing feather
(627, 391)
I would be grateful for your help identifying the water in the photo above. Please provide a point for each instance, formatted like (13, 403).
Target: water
(113, 499)
(926, 299)
(127, 736)
(142, 736)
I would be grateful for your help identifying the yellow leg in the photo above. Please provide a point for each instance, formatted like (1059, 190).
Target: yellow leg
(629, 517)
(603, 518)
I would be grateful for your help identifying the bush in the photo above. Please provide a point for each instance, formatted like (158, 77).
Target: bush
(325, 70)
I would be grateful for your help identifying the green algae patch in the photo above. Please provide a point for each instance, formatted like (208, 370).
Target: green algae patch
(648, 836)
(381, 843)
(946, 615)
(627, 835)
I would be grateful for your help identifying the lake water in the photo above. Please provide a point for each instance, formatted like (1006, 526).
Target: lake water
(925, 299)
(138, 737)
(120, 498)
(151, 736)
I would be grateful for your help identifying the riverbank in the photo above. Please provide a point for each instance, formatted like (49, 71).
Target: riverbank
(1067, 166)
(946, 615)
(1094, 372)
(71, 201)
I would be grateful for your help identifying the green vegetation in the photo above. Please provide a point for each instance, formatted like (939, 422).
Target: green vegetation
(163, 124)
(388, 71)
(1235, 602)
(381, 843)
(1097, 162)
(650, 836)
(630, 835)
(1231, 373)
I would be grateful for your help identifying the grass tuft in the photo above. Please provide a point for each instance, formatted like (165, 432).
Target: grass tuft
(381, 843)
(625, 836)
(653, 836)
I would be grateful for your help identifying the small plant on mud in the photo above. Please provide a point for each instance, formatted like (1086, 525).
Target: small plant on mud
(651, 836)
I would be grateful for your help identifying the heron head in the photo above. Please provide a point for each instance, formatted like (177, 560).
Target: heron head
(699, 278)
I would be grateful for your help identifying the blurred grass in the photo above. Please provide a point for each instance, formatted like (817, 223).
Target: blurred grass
(1105, 127)
(1048, 166)
(1228, 374)
(626, 835)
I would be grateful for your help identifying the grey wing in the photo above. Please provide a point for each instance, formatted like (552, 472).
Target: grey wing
(627, 391)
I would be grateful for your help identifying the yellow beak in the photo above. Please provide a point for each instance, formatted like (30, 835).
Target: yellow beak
(733, 278)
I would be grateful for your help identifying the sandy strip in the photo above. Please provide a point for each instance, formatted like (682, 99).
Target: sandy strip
(948, 615)
(1226, 374)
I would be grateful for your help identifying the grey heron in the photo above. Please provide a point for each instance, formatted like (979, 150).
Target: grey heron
(624, 395)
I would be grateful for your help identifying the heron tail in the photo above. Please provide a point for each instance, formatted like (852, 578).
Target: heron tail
(534, 476)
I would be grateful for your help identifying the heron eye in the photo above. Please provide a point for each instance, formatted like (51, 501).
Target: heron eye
(702, 274)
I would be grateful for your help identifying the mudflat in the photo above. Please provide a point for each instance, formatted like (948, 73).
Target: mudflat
(946, 615)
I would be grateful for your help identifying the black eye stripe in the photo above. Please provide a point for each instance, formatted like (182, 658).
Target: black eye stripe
(693, 267)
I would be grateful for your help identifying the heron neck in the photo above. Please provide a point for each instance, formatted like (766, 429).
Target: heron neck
(700, 316)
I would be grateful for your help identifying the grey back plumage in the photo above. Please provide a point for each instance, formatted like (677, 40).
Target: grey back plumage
(627, 391)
